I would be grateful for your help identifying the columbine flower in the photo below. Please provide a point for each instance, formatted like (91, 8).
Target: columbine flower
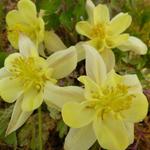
(105, 34)
(30, 79)
(111, 105)
(25, 21)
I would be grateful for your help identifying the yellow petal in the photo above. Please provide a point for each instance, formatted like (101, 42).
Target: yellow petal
(134, 44)
(18, 117)
(95, 66)
(53, 42)
(130, 129)
(76, 115)
(101, 14)
(80, 51)
(138, 109)
(32, 99)
(13, 17)
(90, 86)
(13, 39)
(9, 61)
(84, 28)
(27, 47)
(90, 10)
(63, 62)
(109, 59)
(60, 95)
(80, 139)
(111, 133)
(39, 31)
(114, 41)
(10, 89)
(27, 9)
(120, 23)
(97, 43)
(4, 73)
(112, 79)
(134, 86)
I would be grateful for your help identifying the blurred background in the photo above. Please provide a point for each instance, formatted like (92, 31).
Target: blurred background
(61, 16)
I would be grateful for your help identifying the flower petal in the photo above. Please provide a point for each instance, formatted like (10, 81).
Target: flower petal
(101, 14)
(13, 17)
(97, 43)
(60, 95)
(114, 41)
(112, 79)
(10, 89)
(27, 47)
(80, 49)
(120, 23)
(90, 10)
(76, 115)
(134, 86)
(9, 61)
(32, 99)
(84, 28)
(95, 66)
(111, 133)
(134, 44)
(90, 86)
(130, 130)
(109, 59)
(27, 9)
(18, 117)
(78, 139)
(53, 42)
(63, 62)
(4, 73)
(138, 109)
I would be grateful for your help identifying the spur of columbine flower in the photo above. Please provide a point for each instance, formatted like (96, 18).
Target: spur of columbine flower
(105, 34)
(29, 79)
(112, 104)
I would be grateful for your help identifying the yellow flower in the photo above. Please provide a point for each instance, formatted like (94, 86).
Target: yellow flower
(105, 34)
(111, 105)
(30, 79)
(25, 21)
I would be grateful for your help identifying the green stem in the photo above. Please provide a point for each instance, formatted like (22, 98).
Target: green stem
(40, 128)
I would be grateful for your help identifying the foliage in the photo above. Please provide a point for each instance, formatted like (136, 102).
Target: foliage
(61, 16)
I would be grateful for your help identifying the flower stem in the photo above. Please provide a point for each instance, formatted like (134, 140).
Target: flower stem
(40, 128)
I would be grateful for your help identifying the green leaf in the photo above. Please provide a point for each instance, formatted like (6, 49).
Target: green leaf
(52, 21)
(145, 17)
(51, 6)
(62, 128)
(3, 55)
(66, 19)
(11, 139)
(79, 10)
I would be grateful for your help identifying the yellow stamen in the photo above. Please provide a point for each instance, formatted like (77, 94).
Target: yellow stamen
(98, 31)
(31, 72)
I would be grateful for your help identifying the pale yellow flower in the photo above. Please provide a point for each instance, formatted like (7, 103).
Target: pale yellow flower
(111, 105)
(30, 79)
(27, 21)
(105, 33)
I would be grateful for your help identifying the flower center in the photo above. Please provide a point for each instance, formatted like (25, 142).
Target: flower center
(31, 71)
(111, 99)
(98, 31)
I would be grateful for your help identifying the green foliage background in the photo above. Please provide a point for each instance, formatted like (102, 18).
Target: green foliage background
(61, 16)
